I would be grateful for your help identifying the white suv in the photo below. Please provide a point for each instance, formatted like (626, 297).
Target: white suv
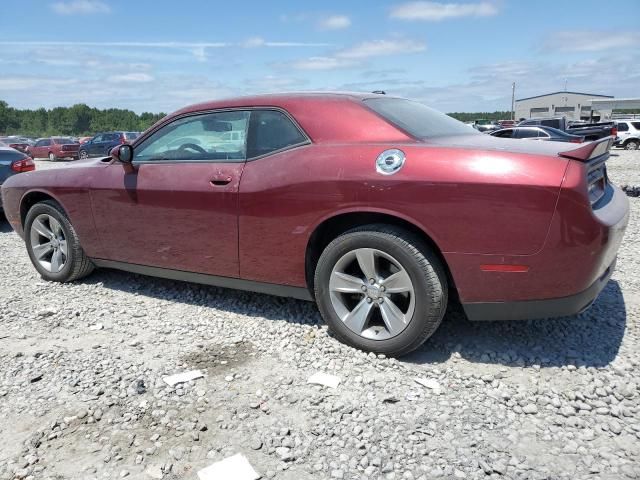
(628, 134)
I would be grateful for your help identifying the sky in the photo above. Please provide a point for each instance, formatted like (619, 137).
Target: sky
(160, 55)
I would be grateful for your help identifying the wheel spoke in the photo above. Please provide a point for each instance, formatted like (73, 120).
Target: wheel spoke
(63, 247)
(399, 282)
(39, 227)
(41, 250)
(56, 261)
(344, 283)
(55, 226)
(367, 262)
(394, 319)
(357, 318)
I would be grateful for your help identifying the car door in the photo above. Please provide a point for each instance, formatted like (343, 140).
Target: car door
(176, 206)
(90, 146)
(623, 131)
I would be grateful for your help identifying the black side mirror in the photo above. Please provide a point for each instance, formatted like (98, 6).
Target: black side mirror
(122, 153)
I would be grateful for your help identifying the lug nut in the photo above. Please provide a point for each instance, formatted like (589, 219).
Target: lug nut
(369, 300)
(372, 281)
(364, 288)
(380, 300)
(382, 289)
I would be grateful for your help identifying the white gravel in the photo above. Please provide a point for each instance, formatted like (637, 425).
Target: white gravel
(623, 167)
(82, 395)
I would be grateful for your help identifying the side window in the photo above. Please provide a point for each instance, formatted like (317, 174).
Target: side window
(505, 133)
(623, 127)
(543, 134)
(207, 137)
(271, 131)
(526, 133)
(39, 143)
(98, 138)
(636, 125)
(46, 143)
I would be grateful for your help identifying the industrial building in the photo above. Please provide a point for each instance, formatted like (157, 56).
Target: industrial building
(573, 105)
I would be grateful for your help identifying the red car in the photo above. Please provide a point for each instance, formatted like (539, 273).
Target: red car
(378, 208)
(54, 148)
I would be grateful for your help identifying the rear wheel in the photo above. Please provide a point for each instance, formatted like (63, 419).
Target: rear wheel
(83, 154)
(632, 145)
(53, 245)
(380, 289)
(52, 157)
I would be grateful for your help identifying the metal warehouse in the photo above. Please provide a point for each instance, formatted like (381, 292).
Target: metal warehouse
(573, 105)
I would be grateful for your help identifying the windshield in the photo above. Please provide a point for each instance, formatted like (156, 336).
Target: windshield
(417, 119)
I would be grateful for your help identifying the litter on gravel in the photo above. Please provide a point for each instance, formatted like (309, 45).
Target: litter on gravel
(183, 377)
(231, 468)
(429, 383)
(324, 379)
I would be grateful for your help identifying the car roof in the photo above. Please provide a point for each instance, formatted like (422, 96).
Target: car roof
(278, 99)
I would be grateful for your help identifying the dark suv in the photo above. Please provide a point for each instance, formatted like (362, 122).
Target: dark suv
(102, 143)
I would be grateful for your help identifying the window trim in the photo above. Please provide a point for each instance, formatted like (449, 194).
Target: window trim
(141, 138)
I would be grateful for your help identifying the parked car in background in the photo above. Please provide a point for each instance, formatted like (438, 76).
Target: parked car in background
(12, 162)
(348, 199)
(628, 134)
(507, 123)
(102, 143)
(54, 148)
(19, 143)
(486, 127)
(82, 140)
(537, 133)
(590, 131)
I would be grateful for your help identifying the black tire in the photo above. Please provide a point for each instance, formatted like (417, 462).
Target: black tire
(78, 265)
(632, 145)
(425, 270)
(82, 155)
(52, 157)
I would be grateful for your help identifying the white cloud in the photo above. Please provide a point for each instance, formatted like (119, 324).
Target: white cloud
(595, 41)
(131, 78)
(334, 22)
(378, 48)
(355, 55)
(435, 11)
(82, 7)
(253, 42)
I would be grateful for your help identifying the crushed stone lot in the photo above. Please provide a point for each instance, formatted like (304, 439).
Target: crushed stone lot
(82, 392)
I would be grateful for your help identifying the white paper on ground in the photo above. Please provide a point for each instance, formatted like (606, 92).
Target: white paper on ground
(429, 383)
(231, 468)
(182, 377)
(324, 379)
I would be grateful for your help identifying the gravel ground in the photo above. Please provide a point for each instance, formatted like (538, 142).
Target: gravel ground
(624, 167)
(82, 396)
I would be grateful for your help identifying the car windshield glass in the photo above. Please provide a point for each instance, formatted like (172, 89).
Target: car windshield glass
(417, 119)
(62, 141)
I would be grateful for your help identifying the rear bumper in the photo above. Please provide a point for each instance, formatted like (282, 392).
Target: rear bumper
(533, 309)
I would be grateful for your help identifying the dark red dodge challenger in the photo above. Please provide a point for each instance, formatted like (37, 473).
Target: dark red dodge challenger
(376, 207)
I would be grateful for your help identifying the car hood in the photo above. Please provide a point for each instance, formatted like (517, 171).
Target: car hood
(489, 142)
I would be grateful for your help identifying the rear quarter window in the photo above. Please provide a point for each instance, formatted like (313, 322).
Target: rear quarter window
(11, 156)
(417, 119)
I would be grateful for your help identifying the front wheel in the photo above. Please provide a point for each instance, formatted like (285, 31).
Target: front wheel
(83, 155)
(632, 145)
(53, 245)
(380, 289)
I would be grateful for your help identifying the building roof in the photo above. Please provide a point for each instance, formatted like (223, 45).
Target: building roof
(556, 93)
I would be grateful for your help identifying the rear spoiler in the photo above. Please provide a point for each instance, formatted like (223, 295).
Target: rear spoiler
(590, 150)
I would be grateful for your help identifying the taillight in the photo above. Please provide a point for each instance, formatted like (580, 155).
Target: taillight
(24, 165)
(614, 132)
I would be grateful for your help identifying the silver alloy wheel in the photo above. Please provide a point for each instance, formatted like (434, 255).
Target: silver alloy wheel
(48, 243)
(632, 145)
(372, 293)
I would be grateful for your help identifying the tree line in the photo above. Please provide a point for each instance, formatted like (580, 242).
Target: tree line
(78, 120)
